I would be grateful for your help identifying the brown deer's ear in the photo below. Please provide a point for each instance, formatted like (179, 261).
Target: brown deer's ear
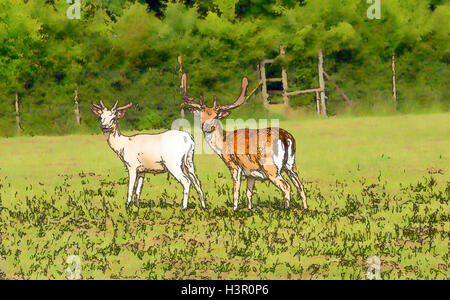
(96, 111)
(223, 114)
(121, 113)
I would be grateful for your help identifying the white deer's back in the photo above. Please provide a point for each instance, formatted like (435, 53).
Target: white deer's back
(154, 151)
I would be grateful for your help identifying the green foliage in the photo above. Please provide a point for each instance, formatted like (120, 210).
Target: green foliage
(45, 56)
(151, 119)
(20, 42)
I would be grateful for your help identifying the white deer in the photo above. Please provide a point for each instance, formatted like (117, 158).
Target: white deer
(171, 151)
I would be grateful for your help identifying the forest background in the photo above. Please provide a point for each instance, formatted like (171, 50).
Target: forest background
(128, 51)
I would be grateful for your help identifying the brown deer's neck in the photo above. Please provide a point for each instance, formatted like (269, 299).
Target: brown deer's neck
(215, 138)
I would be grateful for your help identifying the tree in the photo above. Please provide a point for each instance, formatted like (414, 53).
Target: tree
(20, 42)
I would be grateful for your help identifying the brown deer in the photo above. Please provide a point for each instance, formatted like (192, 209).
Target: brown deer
(255, 153)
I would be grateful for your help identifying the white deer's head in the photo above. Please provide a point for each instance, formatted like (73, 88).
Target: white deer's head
(109, 117)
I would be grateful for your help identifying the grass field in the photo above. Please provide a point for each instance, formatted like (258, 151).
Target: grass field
(375, 186)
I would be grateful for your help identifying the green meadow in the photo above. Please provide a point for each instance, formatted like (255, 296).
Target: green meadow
(375, 186)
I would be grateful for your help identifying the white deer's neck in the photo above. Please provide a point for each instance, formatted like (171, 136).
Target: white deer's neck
(116, 141)
(215, 138)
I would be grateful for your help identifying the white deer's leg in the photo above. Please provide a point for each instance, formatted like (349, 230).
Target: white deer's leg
(190, 172)
(184, 180)
(250, 185)
(131, 182)
(186, 183)
(139, 188)
(197, 187)
(236, 174)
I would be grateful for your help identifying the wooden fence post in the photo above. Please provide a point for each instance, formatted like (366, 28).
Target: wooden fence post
(323, 105)
(265, 95)
(318, 102)
(394, 84)
(284, 80)
(180, 71)
(77, 107)
(16, 105)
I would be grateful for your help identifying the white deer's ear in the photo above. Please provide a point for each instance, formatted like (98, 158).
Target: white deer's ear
(121, 113)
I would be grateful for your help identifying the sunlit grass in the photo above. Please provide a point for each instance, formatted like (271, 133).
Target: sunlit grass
(375, 186)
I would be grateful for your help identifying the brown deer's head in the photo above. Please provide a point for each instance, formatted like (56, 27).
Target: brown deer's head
(210, 116)
(109, 117)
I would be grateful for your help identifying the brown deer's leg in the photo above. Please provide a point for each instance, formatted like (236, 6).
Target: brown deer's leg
(293, 175)
(236, 174)
(279, 182)
(284, 186)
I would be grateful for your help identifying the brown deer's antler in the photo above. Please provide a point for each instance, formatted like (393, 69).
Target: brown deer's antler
(239, 101)
(189, 101)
